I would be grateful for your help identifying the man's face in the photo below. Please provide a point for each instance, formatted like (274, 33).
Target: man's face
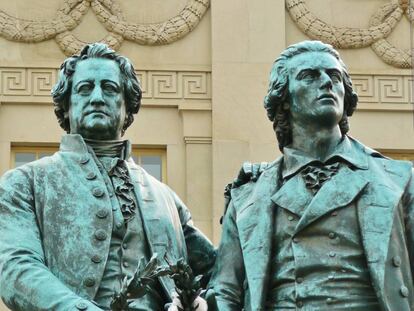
(97, 107)
(316, 89)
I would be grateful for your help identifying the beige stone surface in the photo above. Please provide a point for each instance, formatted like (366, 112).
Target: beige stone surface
(203, 93)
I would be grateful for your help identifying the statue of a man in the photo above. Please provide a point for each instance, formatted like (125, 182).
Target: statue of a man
(74, 226)
(330, 224)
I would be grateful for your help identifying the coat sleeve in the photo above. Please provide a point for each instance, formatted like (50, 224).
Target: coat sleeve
(408, 202)
(201, 252)
(26, 283)
(229, 273)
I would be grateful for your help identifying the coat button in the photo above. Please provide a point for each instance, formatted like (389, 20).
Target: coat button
(102, 213)
(98, 192)
(84, 160)
(96, 259)
(89, 281)
(331, 235)
(90, 176)
(124, 245)
(125, 264)
(404, 291)
(299, 304)
(100, 235)
(290, 217)
(396, 261)
(81, 305)
(299, 280)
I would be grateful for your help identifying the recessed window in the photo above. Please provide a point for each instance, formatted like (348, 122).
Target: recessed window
(22, 155)
(407, 155)
(152, 160)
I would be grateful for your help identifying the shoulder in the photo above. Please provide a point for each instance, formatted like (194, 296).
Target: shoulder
(251, 175)
(398, 171)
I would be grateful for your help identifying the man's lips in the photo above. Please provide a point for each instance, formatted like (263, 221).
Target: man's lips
(323, 96)
(96, 111)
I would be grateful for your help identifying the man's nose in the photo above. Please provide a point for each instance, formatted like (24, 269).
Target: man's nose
(326, 82)
(97, 96)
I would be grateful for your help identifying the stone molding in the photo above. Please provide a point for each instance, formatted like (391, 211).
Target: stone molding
(192, 89)
(33, 85)
(109, 14)
(381, 24)
(197, 140)
(384, 91)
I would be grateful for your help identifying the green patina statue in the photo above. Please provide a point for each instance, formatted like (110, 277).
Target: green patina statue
(330, 224)
(75, 226)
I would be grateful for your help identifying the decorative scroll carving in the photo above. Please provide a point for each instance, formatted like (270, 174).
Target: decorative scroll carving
(110, 15)
(28, 85)
(381, 25)
(384, 89)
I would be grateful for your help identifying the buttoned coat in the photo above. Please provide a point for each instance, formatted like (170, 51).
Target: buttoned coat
(56, 215)
(382, 191)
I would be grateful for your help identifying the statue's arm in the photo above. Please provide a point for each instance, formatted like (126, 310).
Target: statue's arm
(408, 202)
(26, 283)
(201, 252)
(228, 275)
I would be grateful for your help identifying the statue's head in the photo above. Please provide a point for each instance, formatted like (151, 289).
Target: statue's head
(309, 83)
(97, 93)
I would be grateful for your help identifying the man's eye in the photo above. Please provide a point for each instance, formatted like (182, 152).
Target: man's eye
(336, 77)
(110, 88)
(309, 75)
(85, 88)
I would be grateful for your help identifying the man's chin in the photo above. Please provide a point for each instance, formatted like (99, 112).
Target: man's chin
(97, 131)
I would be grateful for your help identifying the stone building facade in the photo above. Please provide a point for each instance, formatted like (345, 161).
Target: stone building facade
(204, 68)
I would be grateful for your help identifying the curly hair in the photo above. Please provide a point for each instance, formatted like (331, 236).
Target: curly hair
(130, 84)
(278, 90)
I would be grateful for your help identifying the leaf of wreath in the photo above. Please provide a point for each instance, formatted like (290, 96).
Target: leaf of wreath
(340, 37)
(22, 30)
(157, 33)
(71, 45)
(390, 54)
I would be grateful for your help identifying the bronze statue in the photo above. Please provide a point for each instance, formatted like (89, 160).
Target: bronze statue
(330, 224)
(75, 226)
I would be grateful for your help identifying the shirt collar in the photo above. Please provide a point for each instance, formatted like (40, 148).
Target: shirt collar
(75, 143)
(294, 160)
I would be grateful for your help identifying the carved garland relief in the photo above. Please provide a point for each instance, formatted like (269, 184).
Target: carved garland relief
(110, 15)
(381, 25)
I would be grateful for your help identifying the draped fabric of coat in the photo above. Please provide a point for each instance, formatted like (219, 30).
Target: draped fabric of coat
(55, 215)
(383, 193)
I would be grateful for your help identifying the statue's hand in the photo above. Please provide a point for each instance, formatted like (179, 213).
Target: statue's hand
(249, 172)
(199, 304)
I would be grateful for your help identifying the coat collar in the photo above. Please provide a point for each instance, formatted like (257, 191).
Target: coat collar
(76, 143)
(294, 160)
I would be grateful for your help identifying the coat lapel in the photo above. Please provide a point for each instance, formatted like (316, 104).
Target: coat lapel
(290, 198)
(376, 213)
(338, 192)
(255, 218)
(152, 216)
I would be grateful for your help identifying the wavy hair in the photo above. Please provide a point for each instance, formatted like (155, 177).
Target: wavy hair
(130, 84)
(278, 90)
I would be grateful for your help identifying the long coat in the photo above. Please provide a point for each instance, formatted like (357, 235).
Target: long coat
(383, 193)
(55, 215)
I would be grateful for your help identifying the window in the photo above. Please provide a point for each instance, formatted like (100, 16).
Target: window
(407, 155)
(23, 155)
(152, 160)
